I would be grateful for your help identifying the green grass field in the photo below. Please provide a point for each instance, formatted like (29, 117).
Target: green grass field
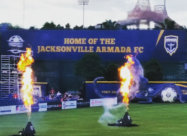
(153, 120)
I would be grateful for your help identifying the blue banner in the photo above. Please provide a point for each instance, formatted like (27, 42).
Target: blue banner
(102, 90)
(106, 89)
(109, 44)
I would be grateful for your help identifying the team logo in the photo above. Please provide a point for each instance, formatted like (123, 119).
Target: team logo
(15, 42)
(171, 44)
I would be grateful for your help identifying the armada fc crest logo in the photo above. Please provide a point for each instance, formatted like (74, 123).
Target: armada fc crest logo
(171, 44)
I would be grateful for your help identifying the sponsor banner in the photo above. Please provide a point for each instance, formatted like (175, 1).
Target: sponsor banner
(103, 101)
(81, 104)
(42, 106)
(96, 102)
(69, 104)
(35, 108)
(21, 109)
(7, 110)
(54, 106)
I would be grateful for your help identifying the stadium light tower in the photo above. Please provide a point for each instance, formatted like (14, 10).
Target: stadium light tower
(23, 16)
(83, 3)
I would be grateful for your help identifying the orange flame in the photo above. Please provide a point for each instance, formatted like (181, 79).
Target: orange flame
(126, 79)
(24, 66)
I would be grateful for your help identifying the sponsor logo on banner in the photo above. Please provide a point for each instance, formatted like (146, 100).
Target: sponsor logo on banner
(42, 106)
(54, 106)
(103, 101)
(171, 44)
(21, 109)
(96, 102)
(7, 110)
(69, 104)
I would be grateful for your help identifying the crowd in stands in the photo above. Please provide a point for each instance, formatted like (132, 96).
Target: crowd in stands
(58, 96)
(53, 96)
(69, 95)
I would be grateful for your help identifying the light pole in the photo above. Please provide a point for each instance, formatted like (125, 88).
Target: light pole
(83, 3)
(23, 16)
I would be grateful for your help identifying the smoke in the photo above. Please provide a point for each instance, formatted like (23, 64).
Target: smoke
(138, 73)
(112, 113)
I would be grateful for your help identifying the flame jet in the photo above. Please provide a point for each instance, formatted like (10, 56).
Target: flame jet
(24, 66)
(126, 79)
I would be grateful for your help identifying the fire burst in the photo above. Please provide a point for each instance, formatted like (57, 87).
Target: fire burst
(24, 66)
(126, 78)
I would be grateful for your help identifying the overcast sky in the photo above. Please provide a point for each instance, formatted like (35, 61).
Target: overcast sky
(37, 12)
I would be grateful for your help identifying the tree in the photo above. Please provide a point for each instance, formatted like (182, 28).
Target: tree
(89, 66)
(124, 27)
(16, 28)
(111, 72)
(169, 24)
(50, 26)
(153, 71)
(110, 25)
(59, 27)
(91, 28)
(78, 27)
(67, 26)
(33, 28)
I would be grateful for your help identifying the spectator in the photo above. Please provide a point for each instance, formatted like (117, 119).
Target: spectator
(52, 93)
(58, 94)
(65, 97)
(15, 96)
